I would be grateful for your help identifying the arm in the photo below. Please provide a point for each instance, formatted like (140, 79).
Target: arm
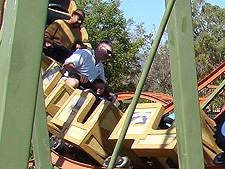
(49, 34)
(72, 70)
(49, 42)
(107, 88)
(113, 96)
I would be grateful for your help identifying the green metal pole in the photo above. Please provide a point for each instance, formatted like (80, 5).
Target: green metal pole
(40, 137)
(20, 53)
(141, 83)
(213, 95)
(184, 83)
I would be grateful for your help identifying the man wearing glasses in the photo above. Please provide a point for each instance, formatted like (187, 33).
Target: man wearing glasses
(84, 66)
(61, 35)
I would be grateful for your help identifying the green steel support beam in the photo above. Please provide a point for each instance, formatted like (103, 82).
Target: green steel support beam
(213, 95)
(141, 83)
(184, 82)
(40, 137)
(20, 53)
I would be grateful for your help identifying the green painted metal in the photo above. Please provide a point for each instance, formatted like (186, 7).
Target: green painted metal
(141, 83)
(20, 53)
(213, 94)
(127, 101)
(40, 137)
(184, 83)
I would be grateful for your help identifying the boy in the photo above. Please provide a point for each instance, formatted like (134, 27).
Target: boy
(100, 92)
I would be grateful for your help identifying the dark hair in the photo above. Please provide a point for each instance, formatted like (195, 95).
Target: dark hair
(106, 42)
(76, 12)
(79, 43)
(98, 81)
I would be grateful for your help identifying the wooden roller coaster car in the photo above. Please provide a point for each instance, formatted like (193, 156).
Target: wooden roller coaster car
(91, 126)
(87, 128)
(84, 129)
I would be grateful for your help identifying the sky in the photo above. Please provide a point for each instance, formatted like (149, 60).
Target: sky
(151, 11)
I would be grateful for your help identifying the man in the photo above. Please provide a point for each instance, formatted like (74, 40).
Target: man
(61, 35)
(84, 66)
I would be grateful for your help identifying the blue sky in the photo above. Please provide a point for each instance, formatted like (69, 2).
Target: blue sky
(151, 11)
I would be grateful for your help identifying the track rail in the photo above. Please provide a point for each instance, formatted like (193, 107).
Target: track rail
(65, 163)
(202, 84)
(160, 98)
(166, 100)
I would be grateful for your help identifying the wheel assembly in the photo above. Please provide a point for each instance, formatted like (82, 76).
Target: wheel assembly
(121, 162)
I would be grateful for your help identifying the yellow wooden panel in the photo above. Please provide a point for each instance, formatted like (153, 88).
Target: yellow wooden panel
(78, 102)
(77, 131)
(158, 144)
(72, 7)
(158, 141)
(52, 128)
(145, 119)
(51, 77)
(98, 128)
(56, 99)
(45, 63)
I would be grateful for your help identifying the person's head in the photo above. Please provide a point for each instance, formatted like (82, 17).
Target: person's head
(78, 45)
(104, 51)
(77, 18)
(100, 86)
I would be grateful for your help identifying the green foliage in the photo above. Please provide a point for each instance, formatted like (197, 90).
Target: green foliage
(159, 79)
(209, 33)
(104, 21)
(209, 36)
(31, 153)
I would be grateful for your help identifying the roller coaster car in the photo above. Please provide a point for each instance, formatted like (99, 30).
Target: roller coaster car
(220, 137)
(85, 128)
(78, 120)
(60, 9)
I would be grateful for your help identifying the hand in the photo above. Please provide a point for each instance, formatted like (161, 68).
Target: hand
(83, 78)
(113, 96)
(49, 44)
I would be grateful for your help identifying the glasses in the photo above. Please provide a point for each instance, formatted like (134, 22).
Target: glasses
(80, 17)
(108, 51)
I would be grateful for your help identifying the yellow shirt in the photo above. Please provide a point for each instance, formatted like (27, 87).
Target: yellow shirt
(63, 33)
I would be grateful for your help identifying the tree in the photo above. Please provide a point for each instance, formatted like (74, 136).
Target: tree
(209, 33)
(209, 36)
(105, 21)
(132, 45)
(159, 79)
(208, 22)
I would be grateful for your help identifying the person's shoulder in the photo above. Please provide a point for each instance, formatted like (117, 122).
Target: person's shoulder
(56, 23)
(81, 54)
(60, 21)
(84, 51)
(100, 64)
